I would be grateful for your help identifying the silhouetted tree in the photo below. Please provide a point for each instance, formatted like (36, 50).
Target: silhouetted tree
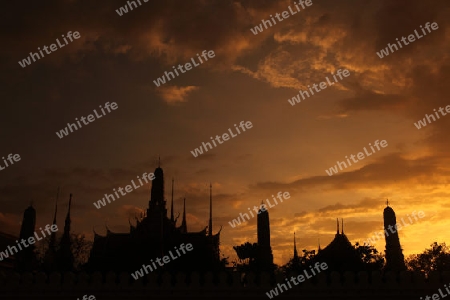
(80, 247)
(436, 258)
(297, 265)
(372, 259)
(247, 254)
(308, 256)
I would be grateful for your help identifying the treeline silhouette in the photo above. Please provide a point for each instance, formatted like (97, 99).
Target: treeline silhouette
(433, 259)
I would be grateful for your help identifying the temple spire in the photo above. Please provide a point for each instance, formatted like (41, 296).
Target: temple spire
(67, 223)
(65, 256)
(337, 223)
(157, 203)
(387, 202)
(53, 235)
(56, 206)
(26, 258)
(395, 260)
(342, 226)
(171, 206)
(295, 248)
(50, 255)
(210, 210)
(183, 223)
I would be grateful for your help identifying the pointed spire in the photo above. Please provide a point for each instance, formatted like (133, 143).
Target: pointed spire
(342, 226)
(210, 210)
(56, 206)
(171, 206)
(319, 245)
(295, 248)
(159, 161)
(337, 222)
(67, 223)
(65, 256)
(387, 202)
(183, 223)
(53, 235)
(70, 204)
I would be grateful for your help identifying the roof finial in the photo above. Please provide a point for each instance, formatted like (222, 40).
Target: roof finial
(70, 204)
(183, 222)
(171, 206)
(210, 210)
(159, 161)
(337, 222)
(56, 206)
(342, 226)
(387, 202)
(295, 248)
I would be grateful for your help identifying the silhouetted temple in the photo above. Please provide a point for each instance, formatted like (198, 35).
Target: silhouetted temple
(259, 254)
(264, 256)
(395, 260)
(296, 258)
(153, 235)
(64, 254)
(340, 255)
(59, 257)
(50, 260)
(26, 259)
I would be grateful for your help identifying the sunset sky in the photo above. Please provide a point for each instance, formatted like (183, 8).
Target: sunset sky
(250, 78)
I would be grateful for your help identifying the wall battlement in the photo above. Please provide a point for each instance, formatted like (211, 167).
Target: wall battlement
(225, 285)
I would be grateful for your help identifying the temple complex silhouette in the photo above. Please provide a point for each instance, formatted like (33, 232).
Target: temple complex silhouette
(153, 235)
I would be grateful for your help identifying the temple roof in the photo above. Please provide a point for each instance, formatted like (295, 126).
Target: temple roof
(340, 254)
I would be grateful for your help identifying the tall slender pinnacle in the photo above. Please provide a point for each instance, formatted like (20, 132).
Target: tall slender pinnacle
(395, 261)
(25, 258)
(183, 223)
(171, 206)
(67, 223)
(56, 206)
(264, 256)
(210, 210)
(337, 222)
(342, 230)
(64, 254)
(295, 248)
(53, 235)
